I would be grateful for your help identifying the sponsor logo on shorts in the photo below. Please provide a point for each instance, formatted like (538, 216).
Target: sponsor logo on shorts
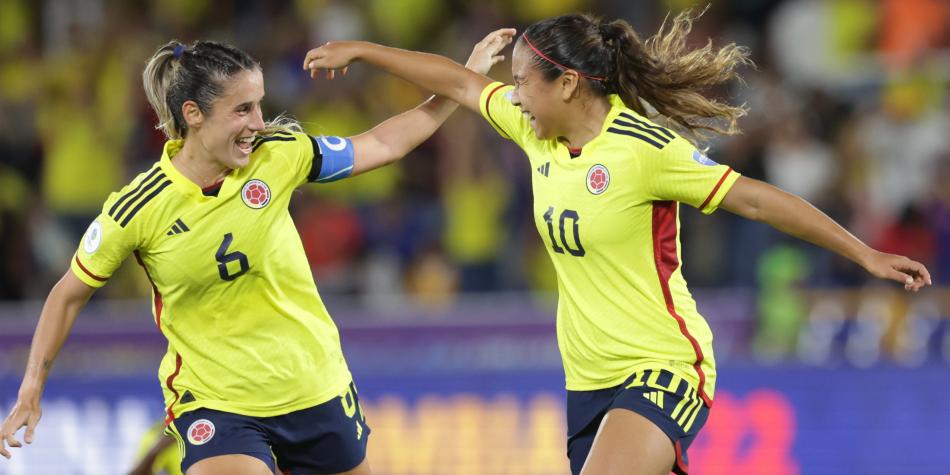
(200, 432)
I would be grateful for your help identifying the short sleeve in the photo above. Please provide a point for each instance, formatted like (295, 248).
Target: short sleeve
(496, 106)
(683, 173)
(104, 247)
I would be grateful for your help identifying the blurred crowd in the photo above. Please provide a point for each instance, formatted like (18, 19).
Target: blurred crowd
(848, 108)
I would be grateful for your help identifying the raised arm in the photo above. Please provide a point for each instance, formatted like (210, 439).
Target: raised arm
(793, 215)
(64, 302)
(397, 136)
(434, 73)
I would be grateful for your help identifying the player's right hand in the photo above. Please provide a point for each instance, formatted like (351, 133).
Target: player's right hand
(24, 413)
(486, 52)
(332, 56)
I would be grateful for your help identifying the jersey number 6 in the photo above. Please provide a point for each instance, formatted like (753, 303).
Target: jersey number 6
(565, 215)
(224, 257)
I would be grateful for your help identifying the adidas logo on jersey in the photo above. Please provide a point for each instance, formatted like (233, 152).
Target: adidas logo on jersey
(178, 228)
(544, 169)
(656, 397)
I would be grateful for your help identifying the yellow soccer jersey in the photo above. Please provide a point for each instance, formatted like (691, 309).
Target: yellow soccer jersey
(233, 291)
(609, 219)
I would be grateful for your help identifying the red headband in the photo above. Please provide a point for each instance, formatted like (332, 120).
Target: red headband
(546, 58)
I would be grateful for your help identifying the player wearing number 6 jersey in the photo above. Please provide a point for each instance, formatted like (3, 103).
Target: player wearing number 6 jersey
(254, 370)
(607, 186)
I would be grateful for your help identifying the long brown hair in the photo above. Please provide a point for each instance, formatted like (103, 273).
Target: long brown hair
(657, 76)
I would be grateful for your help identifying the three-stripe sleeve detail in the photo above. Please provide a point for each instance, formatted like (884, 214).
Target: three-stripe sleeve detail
(126, 207)
(652, 134)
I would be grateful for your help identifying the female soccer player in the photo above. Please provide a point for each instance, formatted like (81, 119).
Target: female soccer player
(254, 368)
(607, 185)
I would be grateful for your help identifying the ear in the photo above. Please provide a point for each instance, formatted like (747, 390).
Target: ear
(192, 114)
(570, 83)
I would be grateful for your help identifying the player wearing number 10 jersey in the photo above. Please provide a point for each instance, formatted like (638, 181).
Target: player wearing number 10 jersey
(607, 186)
(254, 376)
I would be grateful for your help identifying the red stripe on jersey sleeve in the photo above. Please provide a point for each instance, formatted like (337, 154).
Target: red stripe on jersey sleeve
(715, 189)
(666, 260)
(488, 103)
(90, 274)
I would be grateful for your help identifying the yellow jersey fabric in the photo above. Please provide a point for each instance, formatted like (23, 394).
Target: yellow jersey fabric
(233, 291)
(609, 220)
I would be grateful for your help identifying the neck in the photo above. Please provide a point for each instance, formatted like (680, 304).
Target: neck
(195, 166)
(586, 122)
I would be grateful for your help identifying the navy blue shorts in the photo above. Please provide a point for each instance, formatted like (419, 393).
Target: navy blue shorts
(662, 397)
(327, 438)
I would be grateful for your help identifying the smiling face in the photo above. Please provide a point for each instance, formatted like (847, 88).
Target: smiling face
(226, 132)
(540, 100)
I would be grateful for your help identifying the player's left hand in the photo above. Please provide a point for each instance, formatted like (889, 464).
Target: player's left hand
(909, 272)
(485, 54)
(332, 56)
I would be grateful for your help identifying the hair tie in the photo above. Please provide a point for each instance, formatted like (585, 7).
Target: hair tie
(179, 49)
(539, 53)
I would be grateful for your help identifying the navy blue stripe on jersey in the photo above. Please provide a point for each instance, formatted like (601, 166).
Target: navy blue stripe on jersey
(317, 164)
(134, 191)
(639, 136)
(641, 128)
(151, 184)
(648, 125)
(272, 138)
(181, 224)
(143, 201)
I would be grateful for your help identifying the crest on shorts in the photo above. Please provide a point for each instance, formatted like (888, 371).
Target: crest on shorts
(200, 432)
(93, 238)
(598, 178)
(255, 194)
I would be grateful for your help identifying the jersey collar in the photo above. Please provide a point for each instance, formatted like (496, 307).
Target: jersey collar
(181, 182)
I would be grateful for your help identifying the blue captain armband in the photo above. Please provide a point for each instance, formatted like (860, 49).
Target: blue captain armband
(332, 159)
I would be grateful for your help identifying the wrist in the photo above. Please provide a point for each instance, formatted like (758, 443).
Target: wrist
(865, 256)
(29, 394)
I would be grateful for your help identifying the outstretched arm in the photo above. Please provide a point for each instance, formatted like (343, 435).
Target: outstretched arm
(397, 136)
(64, 302)
(792, 215)
(435, 73)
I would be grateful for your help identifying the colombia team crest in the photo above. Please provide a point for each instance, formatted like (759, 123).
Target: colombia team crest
(200, 432)
(256, 194)
(597, 179)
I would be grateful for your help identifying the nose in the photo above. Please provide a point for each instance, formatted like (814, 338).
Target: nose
(515, 98)
(257, 121)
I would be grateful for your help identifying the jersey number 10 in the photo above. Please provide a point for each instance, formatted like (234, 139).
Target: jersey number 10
(565, 215)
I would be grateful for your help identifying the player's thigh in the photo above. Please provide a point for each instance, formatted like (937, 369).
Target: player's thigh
(234, 464)
(630, 444)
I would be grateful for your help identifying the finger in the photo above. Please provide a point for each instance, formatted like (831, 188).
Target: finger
(28, 434)
(331, 73)
(11, 441)
(901, 277)
(311, 55)
(345, 69)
